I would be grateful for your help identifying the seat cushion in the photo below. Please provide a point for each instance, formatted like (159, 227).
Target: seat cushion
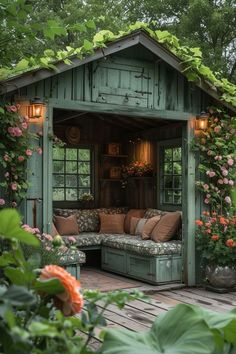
(136, 245)
(85, 239)
(73, 257)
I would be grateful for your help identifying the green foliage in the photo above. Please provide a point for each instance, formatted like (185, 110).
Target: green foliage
(184, 329)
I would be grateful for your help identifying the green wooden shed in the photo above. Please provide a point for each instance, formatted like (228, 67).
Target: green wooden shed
(126, 102)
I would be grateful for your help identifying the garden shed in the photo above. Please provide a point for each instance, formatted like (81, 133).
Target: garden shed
(126, 102)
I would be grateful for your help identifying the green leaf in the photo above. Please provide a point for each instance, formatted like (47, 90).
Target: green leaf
(22, 65)
(2, 110)
(6, 258)
(90, 24)
(51, 286)
(54, 28)
(19, 277)
(88, 45)
(19, 296)
(43, 329)
(180, 330)
(10, 228)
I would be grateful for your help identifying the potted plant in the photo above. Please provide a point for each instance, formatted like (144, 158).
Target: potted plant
(86, 199)
(216, 240)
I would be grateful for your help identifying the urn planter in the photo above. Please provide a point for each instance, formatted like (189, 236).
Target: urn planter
(221, 277)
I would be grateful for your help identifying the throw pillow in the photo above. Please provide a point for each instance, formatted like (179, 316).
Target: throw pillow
(167, 227)
(66, 226)
(133, 224)
(112, 223)
(139, 227)
(149, 226)
(150, 213)
(138, 213)
(54, 231)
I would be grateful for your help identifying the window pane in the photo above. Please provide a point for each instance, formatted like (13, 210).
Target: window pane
(177, 168)
(83, 191)
(84, 167)
(71, 154)
(71, 194)
(71, 167)
(168, 182)
(177, 182)
(168, 169)
(168, 155)
(58, 194)
(58, 181)
(84, 181)
(84, 154)
(58, 153)
(177, 197)
(168, 196)
(177, 154)
(58, 166)
(71, 181)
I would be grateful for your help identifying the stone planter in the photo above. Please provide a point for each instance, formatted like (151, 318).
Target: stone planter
(221, 277)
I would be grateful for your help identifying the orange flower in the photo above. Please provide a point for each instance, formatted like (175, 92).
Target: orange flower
(208, 231)
(208, 224)
(70, 301)
(215, 237)
(213, 213)
(199, 222)
(205, 213)
(230, 243)
(223, 221)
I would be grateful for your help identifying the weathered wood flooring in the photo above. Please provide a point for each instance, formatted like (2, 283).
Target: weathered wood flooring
(139, 315)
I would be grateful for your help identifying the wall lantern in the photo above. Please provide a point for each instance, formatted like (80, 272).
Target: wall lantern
(35, 109)
(201, 122)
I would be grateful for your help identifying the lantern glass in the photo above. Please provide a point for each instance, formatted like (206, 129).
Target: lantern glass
(202, 122)
(35, 108)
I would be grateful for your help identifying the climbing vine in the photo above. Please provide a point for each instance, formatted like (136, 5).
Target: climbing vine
(217, 148)
(15, 150)
(190, 59)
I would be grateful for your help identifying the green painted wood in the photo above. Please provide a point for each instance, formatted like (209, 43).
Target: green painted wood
(114, 260)
(189, 205)
(180, 92)
(140, 267)
(74, 270)
(47, 170)
(120, 110)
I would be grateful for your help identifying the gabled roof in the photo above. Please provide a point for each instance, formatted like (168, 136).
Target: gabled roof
(140, 36)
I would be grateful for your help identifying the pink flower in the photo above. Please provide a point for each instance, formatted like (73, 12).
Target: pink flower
(231, 182)
(20, 158)
(230, 162)
(7, 174)
(18, 131)
(11, 108)
(14, 186)
(219, 157)
(29, 152)
(205, 187)
(24, 125)
(211, 174)
(71, 239)
(48, 248)
(226, 181)
(2, 201)
(48, 237)
(206, 201)
(216, 120)
(208, 196)
(225, 172)
(6, 158)
(14, 204)
(11, 131)
(39, 150)
(228, 200)
(209, 152)
(217, 129)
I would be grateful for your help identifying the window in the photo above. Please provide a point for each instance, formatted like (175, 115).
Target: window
(72, 175)
(171, 176)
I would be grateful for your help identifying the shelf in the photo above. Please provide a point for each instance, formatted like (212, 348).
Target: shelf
(110, 179)
(116, 156)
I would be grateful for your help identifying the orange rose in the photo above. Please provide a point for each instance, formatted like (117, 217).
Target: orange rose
(70, 301)
(205, 213)
(230, 243)
(199, 222)
(223, 221)
(215, 237)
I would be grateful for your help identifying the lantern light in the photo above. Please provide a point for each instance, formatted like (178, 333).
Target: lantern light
(35, 109)
(201, 122)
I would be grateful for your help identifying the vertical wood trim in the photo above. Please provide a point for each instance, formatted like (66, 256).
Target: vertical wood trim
(47, 170)
(189, 206)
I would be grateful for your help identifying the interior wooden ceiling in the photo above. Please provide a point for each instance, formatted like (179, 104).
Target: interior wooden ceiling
(132, 124)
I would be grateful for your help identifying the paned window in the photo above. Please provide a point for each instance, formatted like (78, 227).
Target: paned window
(171, 176)
(72, 173)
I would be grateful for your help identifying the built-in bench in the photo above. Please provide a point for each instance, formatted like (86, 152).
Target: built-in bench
(153, 262)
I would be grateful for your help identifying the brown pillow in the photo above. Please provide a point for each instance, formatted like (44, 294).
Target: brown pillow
(66, 226)
(138, 213)
(133, 224)
(112, 223)
(54, 231)
(167, 227)
(149, 226)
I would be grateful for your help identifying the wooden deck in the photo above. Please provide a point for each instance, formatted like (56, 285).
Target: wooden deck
(139, 315)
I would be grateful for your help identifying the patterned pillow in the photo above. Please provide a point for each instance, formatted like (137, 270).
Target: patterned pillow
(149, 213)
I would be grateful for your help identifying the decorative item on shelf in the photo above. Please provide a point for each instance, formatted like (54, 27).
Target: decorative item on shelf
(86, 199)
(115, 172)
(137, 169)
(216, 240)
(113, 148)
(72, 135)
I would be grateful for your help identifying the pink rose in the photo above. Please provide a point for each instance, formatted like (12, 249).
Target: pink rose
(231, 182)
(226, 181)
(11, 108)
(20, 158)
(29, 152)
(216, 157)
(216, 120)
(14, 186)
(208, 196)
(39, 150)
(11, 131)
(48, 237)
(228, 200)
(217, 129)
(205, 187)
(206, 201)
(211, 174)
(230, 162)
(18, 131)
(6, 158)
(7, 174)
(24, 125)
(14, 204)
(225, 172)
(2, 201)
(219, 157)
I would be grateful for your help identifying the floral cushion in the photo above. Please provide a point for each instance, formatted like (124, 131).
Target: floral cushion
(85, 239)
(73, 257)
(150, 213)
(88, 219)
(136, 245)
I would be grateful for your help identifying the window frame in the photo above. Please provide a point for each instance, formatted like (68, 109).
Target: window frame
(76, 203)
(168, 144)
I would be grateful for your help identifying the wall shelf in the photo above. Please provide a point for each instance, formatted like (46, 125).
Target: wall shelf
(114, 156)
